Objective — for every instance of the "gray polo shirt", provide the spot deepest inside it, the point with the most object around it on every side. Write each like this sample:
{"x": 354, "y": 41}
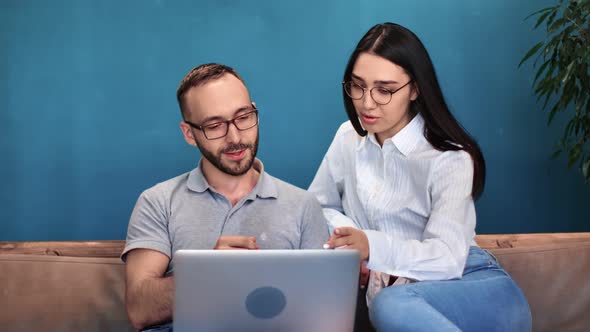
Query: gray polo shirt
{"x": 186, "y": 213}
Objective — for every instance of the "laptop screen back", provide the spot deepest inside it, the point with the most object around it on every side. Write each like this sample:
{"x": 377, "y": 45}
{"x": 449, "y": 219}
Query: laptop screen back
{"x": 265, "y": 290}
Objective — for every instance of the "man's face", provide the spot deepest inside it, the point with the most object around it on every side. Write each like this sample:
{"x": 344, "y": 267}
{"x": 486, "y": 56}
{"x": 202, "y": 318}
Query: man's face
{"x": 220, "y": 100}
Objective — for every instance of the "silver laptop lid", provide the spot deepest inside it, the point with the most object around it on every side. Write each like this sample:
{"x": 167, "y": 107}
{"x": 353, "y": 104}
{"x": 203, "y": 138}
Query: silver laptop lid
{"x": 265, "y": 290}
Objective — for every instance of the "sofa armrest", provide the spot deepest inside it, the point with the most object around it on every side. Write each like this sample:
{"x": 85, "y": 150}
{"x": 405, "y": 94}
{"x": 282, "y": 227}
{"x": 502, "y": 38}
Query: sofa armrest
{"x": 554, "y": 274}
{"x": 53, "y": 293}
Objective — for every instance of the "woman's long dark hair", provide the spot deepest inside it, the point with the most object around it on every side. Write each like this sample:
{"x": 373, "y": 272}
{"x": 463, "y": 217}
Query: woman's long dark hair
{"x": 402, "y": 47}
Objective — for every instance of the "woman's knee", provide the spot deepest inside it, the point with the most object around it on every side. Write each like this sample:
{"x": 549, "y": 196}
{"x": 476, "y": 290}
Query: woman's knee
{"x": 403, "y": 308}
{"x": 390, "y": 306}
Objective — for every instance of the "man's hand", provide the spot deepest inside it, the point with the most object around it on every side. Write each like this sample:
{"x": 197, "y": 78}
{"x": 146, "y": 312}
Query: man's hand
{"x": 350, "y": 238}
{"x": 236, "y": 242}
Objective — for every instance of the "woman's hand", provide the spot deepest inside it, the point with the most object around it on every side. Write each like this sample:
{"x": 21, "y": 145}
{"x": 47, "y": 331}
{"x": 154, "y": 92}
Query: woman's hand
{"x": 349, "y": 238}
{"x": 364, "y": 275}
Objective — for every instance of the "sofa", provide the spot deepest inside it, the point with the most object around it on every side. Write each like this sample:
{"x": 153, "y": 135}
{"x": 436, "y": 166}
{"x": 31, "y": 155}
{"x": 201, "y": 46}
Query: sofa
{"x": 79, "y": 285}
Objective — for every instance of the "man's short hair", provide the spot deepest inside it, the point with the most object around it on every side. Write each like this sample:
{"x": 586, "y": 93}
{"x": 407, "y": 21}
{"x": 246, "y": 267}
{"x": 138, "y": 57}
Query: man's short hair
{"x": 199, "y": 76}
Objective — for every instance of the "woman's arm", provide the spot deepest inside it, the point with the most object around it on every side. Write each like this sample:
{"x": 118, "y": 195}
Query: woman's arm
{"x": 328, "y": 194}
{"x": 328, "y": 182}
{"x": 441, "y": 252}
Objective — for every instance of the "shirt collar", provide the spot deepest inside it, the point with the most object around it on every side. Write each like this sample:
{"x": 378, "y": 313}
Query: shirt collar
{"x": 366, "y": 140}
{"x": 196, "y": 180}
{"x": 405, "y": 140}
{"x": 265, "y": 187}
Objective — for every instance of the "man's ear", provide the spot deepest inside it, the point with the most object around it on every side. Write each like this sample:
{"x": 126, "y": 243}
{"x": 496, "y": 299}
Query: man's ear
{"x": 415, "y": 92}
{"x": 187, "y": 132}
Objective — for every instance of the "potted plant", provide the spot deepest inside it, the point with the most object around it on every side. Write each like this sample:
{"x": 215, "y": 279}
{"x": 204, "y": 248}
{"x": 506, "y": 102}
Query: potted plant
{"x": 562, "y": 79}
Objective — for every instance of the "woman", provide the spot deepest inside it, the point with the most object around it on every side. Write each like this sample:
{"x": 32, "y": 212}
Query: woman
{"x": 398, "y": 184}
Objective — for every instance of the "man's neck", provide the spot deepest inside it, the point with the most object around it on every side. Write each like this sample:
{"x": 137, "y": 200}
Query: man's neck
{"x": 234, "y": 188}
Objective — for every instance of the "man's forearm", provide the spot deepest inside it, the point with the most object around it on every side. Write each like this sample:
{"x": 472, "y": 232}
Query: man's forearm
{"x": 150, "y": 302}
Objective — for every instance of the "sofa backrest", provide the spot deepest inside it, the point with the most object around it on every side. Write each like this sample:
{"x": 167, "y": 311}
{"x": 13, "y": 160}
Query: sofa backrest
{"x": 43, "y": 292}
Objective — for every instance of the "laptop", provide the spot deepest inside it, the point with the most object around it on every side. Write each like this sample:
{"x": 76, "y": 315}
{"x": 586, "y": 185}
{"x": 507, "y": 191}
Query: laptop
{"x": 265, "y": 290}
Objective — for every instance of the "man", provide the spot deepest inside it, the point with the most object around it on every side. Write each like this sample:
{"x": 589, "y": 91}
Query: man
{"x": 227, "y": 202}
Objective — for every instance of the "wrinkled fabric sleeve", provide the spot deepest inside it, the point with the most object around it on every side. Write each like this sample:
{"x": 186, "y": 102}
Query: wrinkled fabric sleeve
{"x": 442, "y": 251}
{"x": 148, "y": 225}
{"x": 328, "y": 190}
{"x": 314, "y": 231}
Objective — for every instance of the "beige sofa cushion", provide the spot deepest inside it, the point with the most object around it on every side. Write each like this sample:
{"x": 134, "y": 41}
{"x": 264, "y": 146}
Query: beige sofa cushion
{"x": 56, "y": 293}
{"x": 555, "y": 278}
{"x": 52, "y": 293}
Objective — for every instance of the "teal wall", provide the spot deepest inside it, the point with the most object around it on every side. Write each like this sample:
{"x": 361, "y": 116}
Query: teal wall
{"x": 88, "y": 117}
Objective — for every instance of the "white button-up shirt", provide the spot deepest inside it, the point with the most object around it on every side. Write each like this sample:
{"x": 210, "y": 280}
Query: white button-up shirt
{"x": 412, "y": 201}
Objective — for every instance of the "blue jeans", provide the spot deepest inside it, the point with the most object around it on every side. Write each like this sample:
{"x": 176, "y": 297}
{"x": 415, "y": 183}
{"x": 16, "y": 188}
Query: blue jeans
{"x": 485, "y": 299}
{"x": 159, "y": 328}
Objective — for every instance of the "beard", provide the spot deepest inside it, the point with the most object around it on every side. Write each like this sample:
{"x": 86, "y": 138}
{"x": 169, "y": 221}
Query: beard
{"x": 231, "y": 168}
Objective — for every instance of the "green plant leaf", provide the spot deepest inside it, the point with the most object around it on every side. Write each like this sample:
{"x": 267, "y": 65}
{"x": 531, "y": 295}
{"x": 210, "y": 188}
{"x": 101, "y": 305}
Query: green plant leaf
{"x": 568, "y": 71}
{"x": 556, "y": 153}
{"x": 568, "y": 94}
{"x": 541, "y": 86}
{"x": 562, "y": 78}
{"x": 546, "y": 100}
{"x": 574, "y": 155}
{"x": 580, "y": 104}
{"x": 586, "y": 169}
{"x": 552, "y": 113}
{"x": 531, "y": 52}
{"x": 556, "y": 25}
{"x": 540, "y": 11}
{"x": 551, "y": 18}
{"x": 546, "y": 85}
{"x": 584, "y": 69}
{"x": 542, "y": 18}
{"x": 568, "y": 128}
{"x": 540, "y": 71}
{"x": 552, "y": 68}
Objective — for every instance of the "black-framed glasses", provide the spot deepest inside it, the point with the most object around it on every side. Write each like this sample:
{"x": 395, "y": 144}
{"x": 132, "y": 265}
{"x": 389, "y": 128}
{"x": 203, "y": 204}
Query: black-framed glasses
{"x": 381, "y": 95}
{"x": 219, "y": 129}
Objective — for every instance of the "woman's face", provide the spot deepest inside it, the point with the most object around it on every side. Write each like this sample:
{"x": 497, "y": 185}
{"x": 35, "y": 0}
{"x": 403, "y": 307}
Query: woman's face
{"x": 384, "y": 121}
